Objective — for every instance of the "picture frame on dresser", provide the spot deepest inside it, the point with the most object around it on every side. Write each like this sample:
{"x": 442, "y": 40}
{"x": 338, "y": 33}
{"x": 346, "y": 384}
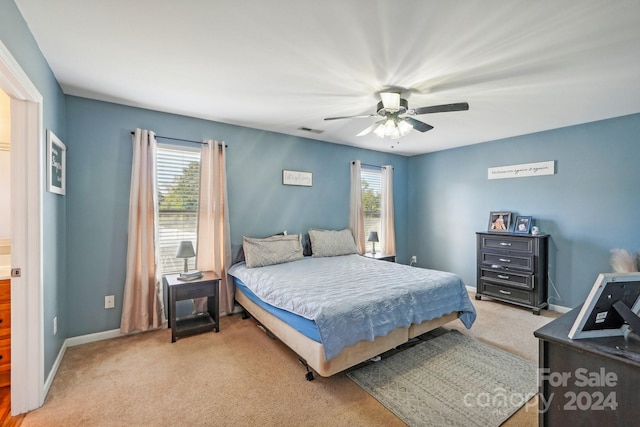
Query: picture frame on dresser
{"x": 499, "y": 222}
{"x": 522, "y": 225}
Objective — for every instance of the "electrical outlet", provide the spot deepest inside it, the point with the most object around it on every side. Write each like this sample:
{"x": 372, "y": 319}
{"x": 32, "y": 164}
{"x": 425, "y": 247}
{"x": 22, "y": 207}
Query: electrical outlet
{"x": 55, "y": 325}
{"x": 414, "y": 259}
{"x": 109, "y": 301}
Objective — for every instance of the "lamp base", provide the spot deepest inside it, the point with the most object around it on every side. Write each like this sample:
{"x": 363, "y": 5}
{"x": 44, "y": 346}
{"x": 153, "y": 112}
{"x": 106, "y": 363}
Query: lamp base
{"x": 373, "y": 251}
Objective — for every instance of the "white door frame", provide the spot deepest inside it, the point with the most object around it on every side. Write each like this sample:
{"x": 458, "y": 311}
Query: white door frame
{"x": 27, "y": 337}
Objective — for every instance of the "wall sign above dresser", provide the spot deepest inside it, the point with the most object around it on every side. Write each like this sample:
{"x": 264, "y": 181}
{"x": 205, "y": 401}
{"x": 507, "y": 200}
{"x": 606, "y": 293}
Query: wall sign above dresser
{"x": 520, "y": 171}
{"x": 513, "y": 268}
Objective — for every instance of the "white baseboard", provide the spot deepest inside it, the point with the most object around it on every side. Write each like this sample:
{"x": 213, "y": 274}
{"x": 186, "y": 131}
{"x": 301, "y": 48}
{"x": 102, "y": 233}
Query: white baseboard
{"x": 552, "y": 307}
{"x": 98, "y": 336}
{"x": 54, "y": 368}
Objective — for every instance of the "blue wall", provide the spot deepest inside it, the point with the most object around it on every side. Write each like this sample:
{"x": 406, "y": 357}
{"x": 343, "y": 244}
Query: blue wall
{"x": 99, "y": 169}
{"x": 15, "y": 35}
{"x": 590, "y": 206}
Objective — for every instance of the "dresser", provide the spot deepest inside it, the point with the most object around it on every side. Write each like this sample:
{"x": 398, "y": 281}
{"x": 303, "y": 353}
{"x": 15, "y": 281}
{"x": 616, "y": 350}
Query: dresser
{"x": 5, "y": 332}
{"x": 513, "y": 268}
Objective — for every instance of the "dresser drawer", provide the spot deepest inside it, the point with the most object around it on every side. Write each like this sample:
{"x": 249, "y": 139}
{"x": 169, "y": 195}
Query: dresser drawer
{"x": 507, "y": 292}
{"x": 520, "y": 280}
{"x": 507, "y": 261}
{"x": 507, "y": 243}
{"x": 194, "y": 290}
{"x": 5, "y": 352}
{"x": 5, "y": 320}
{"x": 5, "y": 290}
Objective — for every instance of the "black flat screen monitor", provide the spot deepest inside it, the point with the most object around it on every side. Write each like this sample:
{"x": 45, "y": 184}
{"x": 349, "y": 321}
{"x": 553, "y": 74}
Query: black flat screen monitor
{"x": 611, "y": 308}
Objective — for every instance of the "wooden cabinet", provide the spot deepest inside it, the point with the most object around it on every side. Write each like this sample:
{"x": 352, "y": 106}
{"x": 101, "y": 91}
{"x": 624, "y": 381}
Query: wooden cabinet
{"x": 513, "y": 268}
{"x": 5, "y": 332}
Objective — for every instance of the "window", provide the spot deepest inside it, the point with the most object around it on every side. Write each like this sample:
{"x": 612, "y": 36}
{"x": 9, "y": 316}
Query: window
{"x": 371, "y": 202}
{"x": 178, "y": 176}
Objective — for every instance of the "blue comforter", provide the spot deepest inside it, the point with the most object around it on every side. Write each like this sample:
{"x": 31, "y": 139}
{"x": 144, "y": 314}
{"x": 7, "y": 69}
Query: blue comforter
{"x": 353, "y": 298}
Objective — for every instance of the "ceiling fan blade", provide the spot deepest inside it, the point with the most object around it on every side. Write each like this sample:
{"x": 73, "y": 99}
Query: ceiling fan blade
{"x": 390, "y": 101}
{"x": 360, "y": 116}
{"x": 417, "y": 124}
{"x": 461, "y": 106}
{"x": 371, "y": 128}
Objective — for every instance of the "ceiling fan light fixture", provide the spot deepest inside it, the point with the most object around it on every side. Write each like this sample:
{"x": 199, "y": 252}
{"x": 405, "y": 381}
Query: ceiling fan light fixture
{"x": 404, "y": 127}
{"x": 379, "y": 130}
{"x": 393, "y": 128}
{"x": 390, "y": 101}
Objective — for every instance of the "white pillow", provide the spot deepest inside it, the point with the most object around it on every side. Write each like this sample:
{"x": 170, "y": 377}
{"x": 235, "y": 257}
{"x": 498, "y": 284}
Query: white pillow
{"x": 332, "y": 242}
{"x": 272, "y": 250}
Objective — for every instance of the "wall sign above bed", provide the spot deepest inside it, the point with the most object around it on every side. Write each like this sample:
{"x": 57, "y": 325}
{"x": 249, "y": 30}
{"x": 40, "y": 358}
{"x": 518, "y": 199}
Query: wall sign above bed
{"x": 304, "y": 179}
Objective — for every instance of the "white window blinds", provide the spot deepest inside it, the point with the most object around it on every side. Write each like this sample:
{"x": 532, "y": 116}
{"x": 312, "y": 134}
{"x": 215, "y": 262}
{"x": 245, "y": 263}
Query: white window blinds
{"x": 178, "y": 175}
{"x": 371, "y": 198}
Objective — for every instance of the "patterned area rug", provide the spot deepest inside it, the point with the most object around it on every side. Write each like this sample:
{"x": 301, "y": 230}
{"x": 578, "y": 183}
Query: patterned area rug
{"x": 450, "y": 380}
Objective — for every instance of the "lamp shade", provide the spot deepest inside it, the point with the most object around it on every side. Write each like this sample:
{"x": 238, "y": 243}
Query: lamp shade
{"x": 185, "y": 250}
{"x": 373, "y": 236}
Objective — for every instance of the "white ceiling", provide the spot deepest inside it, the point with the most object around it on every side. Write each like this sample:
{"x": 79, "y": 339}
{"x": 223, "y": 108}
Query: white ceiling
{"x": 523, "y": 66}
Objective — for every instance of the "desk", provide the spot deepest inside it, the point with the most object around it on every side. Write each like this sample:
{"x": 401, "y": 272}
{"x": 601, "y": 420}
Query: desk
{"x": 206, "y": 286}
{"x": 582, "y": 381}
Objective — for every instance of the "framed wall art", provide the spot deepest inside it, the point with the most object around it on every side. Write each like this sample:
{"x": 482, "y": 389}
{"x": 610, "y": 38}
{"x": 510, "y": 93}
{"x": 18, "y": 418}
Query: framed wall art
{"x": 304, "y": 179}
{"x": 500, "y": 222}
{"x": 56, "y": 164}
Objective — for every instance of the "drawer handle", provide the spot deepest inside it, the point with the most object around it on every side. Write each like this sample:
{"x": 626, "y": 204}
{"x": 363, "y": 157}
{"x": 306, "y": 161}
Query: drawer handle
{"x": 505, "y": 244}
{"x": 505, "y": 260}
{"x": 504, "y": 292}
{"x": 502, "y": 276}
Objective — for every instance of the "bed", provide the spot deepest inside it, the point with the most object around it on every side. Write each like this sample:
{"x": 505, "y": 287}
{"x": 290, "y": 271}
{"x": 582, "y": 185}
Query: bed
{"x": 335, "y": 308}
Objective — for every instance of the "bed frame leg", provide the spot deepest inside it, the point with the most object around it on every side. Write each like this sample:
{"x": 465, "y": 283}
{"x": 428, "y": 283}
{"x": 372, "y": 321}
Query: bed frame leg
{"x": 309, "y": 375}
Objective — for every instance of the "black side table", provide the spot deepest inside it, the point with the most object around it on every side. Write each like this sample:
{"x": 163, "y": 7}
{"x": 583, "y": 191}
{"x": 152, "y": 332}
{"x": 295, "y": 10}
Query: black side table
{"x": 206, "y": 286}
{"x": 381, "y": 256}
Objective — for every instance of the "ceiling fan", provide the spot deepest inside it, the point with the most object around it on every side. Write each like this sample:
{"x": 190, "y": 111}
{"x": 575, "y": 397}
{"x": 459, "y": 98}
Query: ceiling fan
{"x": 393, "y": 125}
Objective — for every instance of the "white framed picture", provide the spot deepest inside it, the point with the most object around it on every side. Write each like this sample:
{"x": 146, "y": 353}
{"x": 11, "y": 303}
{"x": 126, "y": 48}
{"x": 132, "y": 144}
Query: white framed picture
{"x": 56, "y": 164}
{"x": 304, "y": 179}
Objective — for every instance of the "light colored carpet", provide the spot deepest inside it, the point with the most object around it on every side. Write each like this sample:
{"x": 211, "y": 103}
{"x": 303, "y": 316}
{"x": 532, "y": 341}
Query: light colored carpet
{"x": 451, "y": 380}
{"x": 237, "y": 377}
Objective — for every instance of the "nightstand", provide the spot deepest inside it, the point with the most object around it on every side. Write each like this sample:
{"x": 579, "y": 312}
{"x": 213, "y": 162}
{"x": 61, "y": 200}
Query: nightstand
{"x": 381, "y": 256}
{"x": 206, "y": 286}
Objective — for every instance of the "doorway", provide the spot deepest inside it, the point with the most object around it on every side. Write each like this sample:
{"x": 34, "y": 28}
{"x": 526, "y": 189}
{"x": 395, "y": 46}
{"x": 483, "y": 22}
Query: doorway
{"x": 26, "y": 142}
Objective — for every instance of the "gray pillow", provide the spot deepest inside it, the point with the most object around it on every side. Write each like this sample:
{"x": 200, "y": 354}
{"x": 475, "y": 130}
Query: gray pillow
{"x": 332, "y": 242}
{"x": 272, "y": 250}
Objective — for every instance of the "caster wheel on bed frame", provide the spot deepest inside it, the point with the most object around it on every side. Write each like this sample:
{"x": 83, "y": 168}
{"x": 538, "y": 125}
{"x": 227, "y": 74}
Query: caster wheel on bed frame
{"x": 478, "y": 297}
{"x": 309, "y": 376}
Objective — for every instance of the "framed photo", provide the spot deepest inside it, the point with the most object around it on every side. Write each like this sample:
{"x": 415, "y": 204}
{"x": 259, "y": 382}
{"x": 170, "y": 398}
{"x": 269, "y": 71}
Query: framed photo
{"x": 500, "y": 222}
{"x": 56, "y": 164}
{"x": 611, "y": 307}
{"x": 523, "y": 225}
{"x": 304, "y": 179}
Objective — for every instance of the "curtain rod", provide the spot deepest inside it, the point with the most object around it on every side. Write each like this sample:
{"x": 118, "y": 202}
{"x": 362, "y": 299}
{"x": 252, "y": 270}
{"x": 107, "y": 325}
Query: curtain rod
{"x": 178, "y": 139}
{"x": 371, "y": 166}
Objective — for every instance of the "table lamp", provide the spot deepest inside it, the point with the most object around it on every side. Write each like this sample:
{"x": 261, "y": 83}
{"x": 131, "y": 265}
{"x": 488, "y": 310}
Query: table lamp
{"x": 373, "y": 237}
{"x": 185, "y": 250}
